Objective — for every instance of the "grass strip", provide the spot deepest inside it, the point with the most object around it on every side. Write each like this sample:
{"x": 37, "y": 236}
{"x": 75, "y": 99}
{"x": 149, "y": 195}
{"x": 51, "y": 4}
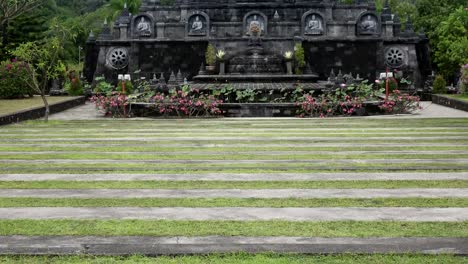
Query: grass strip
{"x": 231, "y": 228}
{"x": 324, "y": 169}
{"x": 418, "y": 135}
{"x": 234, "y": 202}
{"x": 243, "y": 258}
{"x": 232, "y": 184}
{"x": 219, "y": 149}
{"x": 168, "y": 156}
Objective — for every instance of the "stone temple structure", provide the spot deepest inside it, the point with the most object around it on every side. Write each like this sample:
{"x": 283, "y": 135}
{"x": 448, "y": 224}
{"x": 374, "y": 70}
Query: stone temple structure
{"x": 255, "y": 34}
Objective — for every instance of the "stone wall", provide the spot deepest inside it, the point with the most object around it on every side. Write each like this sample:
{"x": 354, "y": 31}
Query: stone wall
{"x": 352, "y": 38}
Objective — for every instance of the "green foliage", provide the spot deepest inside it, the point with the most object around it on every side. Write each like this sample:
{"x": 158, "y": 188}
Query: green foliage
{"x": 440, "y": 85}
{"x": 13, "y": 78}
{"x": 210, "y": 55}
{"x": 74, "y": 87}
{"x": 451, "y": 42}
{"x": 299, "y": 54}
{"x": 118, "y": 5}
{"x": 128, "y": 87}
{"x": 464, "y": 79}
{"x": 103, "y": 87}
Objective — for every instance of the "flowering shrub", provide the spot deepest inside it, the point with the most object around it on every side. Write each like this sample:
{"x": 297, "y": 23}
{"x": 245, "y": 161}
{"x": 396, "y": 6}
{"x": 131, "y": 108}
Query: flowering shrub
{"x": 315, "y": 107}
{"x": 398, "y": 103}
{"x": 114, "y": 105}
{"x": 13, "y": 80}
{"x": 186, "y": 102}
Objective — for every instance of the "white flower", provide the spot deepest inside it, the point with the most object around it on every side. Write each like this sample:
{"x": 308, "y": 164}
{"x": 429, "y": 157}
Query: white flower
{"x": 220, "y": 54}
{"x": 288, "y": 55}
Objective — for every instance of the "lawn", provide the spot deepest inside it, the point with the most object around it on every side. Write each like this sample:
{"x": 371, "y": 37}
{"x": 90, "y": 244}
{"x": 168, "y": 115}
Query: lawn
{"x": 463, "y": 97}
{"x": 17, "y": 105}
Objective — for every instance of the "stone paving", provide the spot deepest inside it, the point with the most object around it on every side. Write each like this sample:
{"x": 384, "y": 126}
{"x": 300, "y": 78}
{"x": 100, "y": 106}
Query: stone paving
{"x": 87, "y": 159}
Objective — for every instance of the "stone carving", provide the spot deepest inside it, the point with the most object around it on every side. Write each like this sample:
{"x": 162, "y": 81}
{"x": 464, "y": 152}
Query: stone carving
{"x": 369, "y": 25}
{"x": 395, "y": 57}
{"x": 197, "y": 26}
{"x": 255, "y": 25}
{"x": 117, "y": 58}
{"x": 314, "y": 25}
{"x": 143, "y": 27}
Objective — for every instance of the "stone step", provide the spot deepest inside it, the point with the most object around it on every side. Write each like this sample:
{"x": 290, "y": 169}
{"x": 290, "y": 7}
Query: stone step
{"x": 420, "y": 176}
{"x": 253, "y": 152}
{"x": 235, "y": 193}
{"x": 230, "y": 162}
{"x": 236, "y": 145}
{"x": 92, "y": 245}
{"x": 410, "y": 214}
{"x": 238, "y": 138}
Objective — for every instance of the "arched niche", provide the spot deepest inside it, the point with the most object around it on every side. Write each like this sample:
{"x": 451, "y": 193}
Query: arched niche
{"x": 256, "y": 17}
{"x": 198, "y": 24}
{"x": 143, "y": 26}
{"x": 313, "y": 24}
{"x": 368, "y": 24}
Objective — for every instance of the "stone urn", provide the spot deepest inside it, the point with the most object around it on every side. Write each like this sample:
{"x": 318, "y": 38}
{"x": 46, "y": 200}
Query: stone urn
{"x": 210, "y": 69}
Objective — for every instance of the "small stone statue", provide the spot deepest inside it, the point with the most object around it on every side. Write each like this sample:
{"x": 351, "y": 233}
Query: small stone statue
{"x": 256, "y": 27}
{"x": 314, "y": 27}
{"x": 197, "y": 26}
{"x": 144, "y": 27}
{"x": 369, "y": 25}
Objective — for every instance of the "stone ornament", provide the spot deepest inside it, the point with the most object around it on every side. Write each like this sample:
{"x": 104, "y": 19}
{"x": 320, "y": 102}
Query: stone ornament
{"x": 395, "y": 57}
{"x": 143, "y": 27}
{"x": 117, "y": 58}
{"x": 368, "y": 25}
{"x": 198, "y": 24}
{"x": 255, "y": 24}
{"x": 313, "y": 25}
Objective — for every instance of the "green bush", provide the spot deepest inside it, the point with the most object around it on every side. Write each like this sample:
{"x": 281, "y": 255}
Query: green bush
{"x": 210, "y": 55}
{"x": 103, "y": 87}
{"x": 13, "y": 80}
{"x": 74, "y": 87}
{"x": 440, "y": 85}
{"x": 299, "y": 54}
{"x": 128, "y": 87}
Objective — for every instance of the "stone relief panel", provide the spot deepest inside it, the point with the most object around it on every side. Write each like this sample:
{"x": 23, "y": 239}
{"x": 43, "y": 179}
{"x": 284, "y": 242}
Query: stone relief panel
{"x": 143, "y": 26}
{"x": 313, "y": 24}
{"x": 117, "y": 58}
{"x": 395, "y": 57}
{"x": 198, "y": 24}
{"x": 368, "y": 24}
{"x": 255, "y": 24}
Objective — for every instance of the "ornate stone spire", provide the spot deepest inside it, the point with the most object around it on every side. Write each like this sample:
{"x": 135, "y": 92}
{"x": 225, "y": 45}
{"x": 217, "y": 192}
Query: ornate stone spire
{"x": 386, "y": 12}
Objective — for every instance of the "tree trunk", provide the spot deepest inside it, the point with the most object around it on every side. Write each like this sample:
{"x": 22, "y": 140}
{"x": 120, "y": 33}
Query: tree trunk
{"x": 46, "y": 104}
{"x": 4, "y": 29}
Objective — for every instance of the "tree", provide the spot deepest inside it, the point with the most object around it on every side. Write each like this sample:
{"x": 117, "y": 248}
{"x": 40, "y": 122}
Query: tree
{"x": 43, "y": 60}
{"x": 451, "y": 42}
{"x": 11, "y": 9}
{"x": 118, "y": 6}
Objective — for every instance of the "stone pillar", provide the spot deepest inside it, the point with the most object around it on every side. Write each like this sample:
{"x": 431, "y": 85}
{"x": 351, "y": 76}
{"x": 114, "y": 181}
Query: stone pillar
{"x": 351, "y": 25}
{"x": 160, "y": 26}
{"x": 387, "y": 28}
{"x": 123, "y": 28}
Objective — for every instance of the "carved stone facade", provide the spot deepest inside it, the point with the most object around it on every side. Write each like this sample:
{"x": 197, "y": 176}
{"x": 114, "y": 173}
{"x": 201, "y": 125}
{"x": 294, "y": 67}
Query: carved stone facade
{"x": 350, "y": 37}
